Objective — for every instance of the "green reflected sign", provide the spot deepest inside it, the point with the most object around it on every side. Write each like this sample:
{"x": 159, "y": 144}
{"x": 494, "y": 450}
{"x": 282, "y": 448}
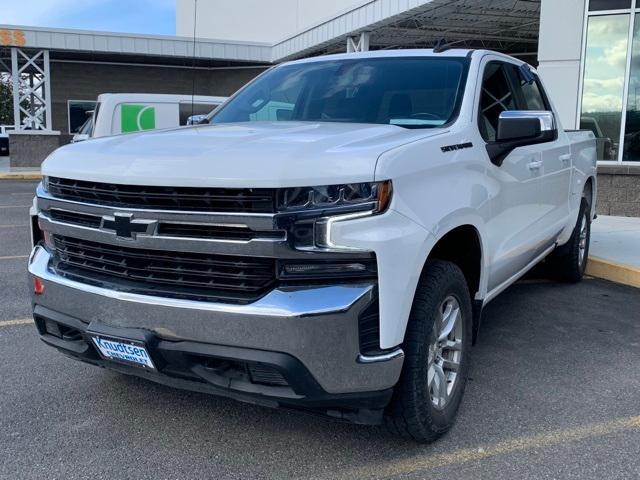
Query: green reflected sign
{"x": 135, "y": 118}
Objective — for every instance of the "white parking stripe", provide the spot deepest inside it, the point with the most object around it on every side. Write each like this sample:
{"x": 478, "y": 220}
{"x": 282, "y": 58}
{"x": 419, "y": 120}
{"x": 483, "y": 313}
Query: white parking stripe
{"x": 13, "y": 257}
{"x": 19, "y": 321}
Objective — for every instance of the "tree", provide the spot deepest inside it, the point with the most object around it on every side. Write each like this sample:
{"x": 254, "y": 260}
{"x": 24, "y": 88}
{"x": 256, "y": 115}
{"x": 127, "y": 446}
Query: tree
{"x": 6, "y": 100}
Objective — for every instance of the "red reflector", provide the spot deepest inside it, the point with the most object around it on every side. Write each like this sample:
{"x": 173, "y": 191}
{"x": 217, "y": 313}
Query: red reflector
{"x": 38, "y": 286}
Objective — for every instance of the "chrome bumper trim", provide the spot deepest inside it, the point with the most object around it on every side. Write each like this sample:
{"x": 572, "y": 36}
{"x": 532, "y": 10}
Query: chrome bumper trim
{"x": 260, "y": 247}
{"x": 397, "y": 353}
{"x": 281, "y": 302}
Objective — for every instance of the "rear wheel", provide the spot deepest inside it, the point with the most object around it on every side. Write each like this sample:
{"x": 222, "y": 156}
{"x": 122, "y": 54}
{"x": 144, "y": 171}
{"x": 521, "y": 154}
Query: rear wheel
{"x": 569, "y": 262}
{"x": 437, "y": 343}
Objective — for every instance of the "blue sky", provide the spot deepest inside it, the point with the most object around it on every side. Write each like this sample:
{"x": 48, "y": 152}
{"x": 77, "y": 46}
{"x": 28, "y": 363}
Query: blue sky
{"x": 131, "y": 16}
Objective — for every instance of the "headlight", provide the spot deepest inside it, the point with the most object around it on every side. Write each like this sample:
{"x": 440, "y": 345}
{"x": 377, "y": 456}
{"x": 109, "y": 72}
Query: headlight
{"x": 313, "y": 210}
{"x": 374, "y": 196}
{"x": 45, "y": 183}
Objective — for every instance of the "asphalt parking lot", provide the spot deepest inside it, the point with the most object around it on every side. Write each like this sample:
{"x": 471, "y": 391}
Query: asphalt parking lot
{"x": 554, "y": 393}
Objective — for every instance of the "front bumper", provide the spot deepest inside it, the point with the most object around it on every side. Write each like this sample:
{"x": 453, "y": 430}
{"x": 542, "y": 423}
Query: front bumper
{"x": 308, "y": 334}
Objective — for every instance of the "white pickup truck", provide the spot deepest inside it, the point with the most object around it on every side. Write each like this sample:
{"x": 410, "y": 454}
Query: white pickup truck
{"x": 327, "y": 242}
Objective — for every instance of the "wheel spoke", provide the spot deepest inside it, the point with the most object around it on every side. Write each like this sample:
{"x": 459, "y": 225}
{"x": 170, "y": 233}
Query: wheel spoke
{"x": 450, "y": 365}
{"x": 431, "y": 375}
{"x": 441, "y": 383}
{"x": 450, "y": 317}
{"x": 455, "y": 345}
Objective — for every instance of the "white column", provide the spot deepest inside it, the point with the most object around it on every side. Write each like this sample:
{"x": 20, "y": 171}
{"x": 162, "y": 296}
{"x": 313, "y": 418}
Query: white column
{"x": 559, "y": 53}
{"x": 15, "y": 77}
{"x": 358, "y": 43}
{"x": 47, "y": 91}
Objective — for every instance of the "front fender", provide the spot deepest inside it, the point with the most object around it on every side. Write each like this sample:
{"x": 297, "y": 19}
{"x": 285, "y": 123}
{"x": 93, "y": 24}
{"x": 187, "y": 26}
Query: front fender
{"x": 401, "y": 247}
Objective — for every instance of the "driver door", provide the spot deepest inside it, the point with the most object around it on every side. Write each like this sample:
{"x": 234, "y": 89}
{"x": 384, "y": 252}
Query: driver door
{"x": 516, "y": 230}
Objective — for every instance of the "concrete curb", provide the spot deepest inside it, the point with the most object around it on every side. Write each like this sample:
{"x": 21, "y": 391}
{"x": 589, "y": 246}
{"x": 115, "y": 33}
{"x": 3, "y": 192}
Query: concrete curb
{"x": 21, "y": 176}
{"x": 615, "y": 272}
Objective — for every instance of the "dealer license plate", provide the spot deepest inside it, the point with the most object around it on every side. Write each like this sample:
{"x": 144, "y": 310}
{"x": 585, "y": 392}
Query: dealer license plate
{"x": 125, "y": 351}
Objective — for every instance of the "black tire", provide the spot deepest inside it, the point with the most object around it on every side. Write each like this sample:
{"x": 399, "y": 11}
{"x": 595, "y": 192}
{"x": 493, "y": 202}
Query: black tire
{"x": 566, "y": 262}
{"x": 411, "y": 412}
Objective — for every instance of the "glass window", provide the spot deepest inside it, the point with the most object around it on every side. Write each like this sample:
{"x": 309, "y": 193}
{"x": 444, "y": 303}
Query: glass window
{"x": 411, "y": 92}
{"x": 273, "y": 111}
{"x": 631, "y": 149}
{"x": 531, "y": 92}
{"x": 604, "y": 74}
{"x": 78, "y": 111}
{"x": 599, "y": 5}
{"x": 87, "y": 127}
{"x": 495, "y": 98}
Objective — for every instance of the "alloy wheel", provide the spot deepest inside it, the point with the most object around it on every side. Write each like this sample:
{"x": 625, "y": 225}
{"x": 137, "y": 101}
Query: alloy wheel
{"x": 582, "y": 240}
{"x": 445, "y": 352}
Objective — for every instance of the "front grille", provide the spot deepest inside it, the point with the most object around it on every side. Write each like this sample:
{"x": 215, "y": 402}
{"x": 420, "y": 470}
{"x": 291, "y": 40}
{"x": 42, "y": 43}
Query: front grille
{"x": 266, "y": 375}
{"x": 75, "y": 218}
{"x": 171, "y": 274}
{"x": 259, "y": 373}
{"x": 237, "y": 200}
{"x": 195, "y": 230}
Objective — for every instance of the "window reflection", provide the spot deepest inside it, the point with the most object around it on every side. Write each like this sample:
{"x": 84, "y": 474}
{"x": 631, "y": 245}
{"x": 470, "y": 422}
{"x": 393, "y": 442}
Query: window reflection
{"x": 631, "y": 149}
{"x": 605, "y": 62}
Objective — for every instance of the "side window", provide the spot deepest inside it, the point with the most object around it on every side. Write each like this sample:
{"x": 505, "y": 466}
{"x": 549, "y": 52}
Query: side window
{"x": 532, "y": 97}
{"x": 528, "y": 94}
{"x": 496, "y": 97}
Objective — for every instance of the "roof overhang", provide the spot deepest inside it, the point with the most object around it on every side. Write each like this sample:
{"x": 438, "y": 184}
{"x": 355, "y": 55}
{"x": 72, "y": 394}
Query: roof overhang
{"x": 105, "y": 46}
{"x": 509, "y": 26}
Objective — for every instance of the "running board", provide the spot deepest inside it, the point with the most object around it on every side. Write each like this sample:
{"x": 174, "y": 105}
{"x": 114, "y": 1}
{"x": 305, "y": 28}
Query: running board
{"x": 507, "y": 283}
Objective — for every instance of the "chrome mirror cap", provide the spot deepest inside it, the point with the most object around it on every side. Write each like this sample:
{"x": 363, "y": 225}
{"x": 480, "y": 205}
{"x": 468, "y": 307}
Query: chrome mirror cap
{"x": 546, "y": 118}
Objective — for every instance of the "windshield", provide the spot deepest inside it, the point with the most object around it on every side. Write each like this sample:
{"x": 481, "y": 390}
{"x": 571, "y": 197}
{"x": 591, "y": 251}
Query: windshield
{"x": 411, "y": 92}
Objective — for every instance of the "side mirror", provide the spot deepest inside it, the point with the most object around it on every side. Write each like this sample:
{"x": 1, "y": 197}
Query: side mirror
{"x": 518, "y": 128}
{"x": 80, "y": 137}
{"x": 198, "y": 119}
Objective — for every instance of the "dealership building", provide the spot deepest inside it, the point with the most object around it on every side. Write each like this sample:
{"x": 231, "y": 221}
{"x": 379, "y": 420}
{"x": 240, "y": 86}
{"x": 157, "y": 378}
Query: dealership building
{"x": 587, "y": 53}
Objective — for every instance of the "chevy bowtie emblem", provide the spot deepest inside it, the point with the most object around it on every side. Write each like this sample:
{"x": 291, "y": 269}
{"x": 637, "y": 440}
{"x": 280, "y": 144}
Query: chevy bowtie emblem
{"x": 125, "y": 226}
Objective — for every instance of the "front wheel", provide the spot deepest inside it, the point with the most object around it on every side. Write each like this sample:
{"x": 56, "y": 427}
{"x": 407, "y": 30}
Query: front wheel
{"x": 569, "y": 262}
{"x": 437, "y": 347}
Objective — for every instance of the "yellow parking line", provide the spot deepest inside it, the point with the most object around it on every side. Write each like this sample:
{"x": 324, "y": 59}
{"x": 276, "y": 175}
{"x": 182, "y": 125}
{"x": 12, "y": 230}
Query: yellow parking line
{"x": 20, "y": 321}
{"x": 15, "y": 206}
{"x": 407, "y": 466}
{"x": 13, "y": 257}
{"x": 12, "y": 226}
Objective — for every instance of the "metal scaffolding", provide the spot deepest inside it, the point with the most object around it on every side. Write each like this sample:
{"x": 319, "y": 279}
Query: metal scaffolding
{"x": 31, "y": 88}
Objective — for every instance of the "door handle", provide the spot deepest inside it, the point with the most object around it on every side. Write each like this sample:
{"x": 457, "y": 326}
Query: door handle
{"x": 535, "y": 165}
{"x": 565, "y": 158}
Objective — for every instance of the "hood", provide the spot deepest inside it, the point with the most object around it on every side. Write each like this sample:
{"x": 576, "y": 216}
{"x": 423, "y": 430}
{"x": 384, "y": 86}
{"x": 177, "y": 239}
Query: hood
{"x": 257, "y": 154}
